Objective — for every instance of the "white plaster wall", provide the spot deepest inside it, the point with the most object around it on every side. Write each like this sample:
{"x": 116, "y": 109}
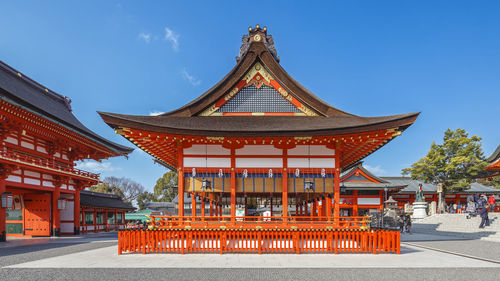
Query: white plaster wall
{"x": 41, "y": 149}
{"x": 48, "y": 184}
{"x": 27, "y": 145}
{"x": 31, "y": 181}
{"x": 201, "y": 149}
{"x": 32, "y": 174}
{"x": 259, "y": 162}
{"x": 298, "y": 163}
{"x": 322, "y": 163}
{"x": 68, "y": 213}
{"x": 67, "y": 227}
{"x": 311, "y": 150}
{"x": 200, "y": 162}
{"x": 11, "y": 140}
{"x": 259, "y": 150}
{"x": 368, "y": 201}
{"x": 14, "y": 178}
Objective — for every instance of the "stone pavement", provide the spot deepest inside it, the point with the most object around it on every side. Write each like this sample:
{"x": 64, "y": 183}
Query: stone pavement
{"x": 95, "y": 258}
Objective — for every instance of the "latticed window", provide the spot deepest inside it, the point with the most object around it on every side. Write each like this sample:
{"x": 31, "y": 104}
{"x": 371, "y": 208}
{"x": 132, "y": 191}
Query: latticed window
{"x": 253, "y": 99}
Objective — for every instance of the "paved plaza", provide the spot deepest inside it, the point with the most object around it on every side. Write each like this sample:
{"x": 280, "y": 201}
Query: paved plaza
{"x": 94, "y": 257}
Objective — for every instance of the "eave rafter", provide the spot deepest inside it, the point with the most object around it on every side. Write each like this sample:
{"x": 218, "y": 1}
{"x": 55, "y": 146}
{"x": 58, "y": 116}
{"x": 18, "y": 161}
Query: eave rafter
{"x": 165, "y": 147}
{"x": 26, "y": 121}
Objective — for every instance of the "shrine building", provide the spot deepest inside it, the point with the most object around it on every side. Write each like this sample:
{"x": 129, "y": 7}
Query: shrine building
{"x": 258, "y": 137}
{"x": 41, "y": 141}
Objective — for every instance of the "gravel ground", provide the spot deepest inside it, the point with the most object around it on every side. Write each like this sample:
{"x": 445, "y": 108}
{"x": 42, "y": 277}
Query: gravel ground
{"x": 386, "y": 274}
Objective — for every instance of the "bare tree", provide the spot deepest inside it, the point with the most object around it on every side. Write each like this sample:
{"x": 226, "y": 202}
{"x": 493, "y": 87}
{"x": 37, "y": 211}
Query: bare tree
{"x": 126, "y": 188}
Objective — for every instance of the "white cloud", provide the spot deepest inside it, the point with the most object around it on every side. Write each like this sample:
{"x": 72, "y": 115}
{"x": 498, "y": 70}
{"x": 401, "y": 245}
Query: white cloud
{"x": 145, "y": 36}
{"x": 155, "y": 113}
{"x": 96, "y": 167}
{"x": 377, "y": 170}
{"x": 173, "y": 37}
{"x": 190, "y": 78}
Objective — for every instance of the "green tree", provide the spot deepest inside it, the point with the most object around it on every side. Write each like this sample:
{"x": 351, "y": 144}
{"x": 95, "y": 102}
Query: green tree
{"x": 145, "y": 198}
{"x": 165, "y": 188}
{"x": 455, "y": 163}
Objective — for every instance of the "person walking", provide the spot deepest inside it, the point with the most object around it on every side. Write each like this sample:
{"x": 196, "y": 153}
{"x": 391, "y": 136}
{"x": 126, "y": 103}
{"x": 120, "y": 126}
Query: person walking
{"x": 492, "y": 202}
{"x": 484, "y": 217}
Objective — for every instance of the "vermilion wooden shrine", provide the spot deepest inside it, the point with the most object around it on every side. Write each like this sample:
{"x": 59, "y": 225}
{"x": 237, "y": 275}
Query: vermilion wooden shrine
{"x": 259, "y": 137}
{"x": 41, "y": 140}
{"x": 494, "y": 162}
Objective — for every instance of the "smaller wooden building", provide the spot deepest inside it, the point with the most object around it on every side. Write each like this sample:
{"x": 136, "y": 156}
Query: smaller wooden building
{"x": 102, "y": 212}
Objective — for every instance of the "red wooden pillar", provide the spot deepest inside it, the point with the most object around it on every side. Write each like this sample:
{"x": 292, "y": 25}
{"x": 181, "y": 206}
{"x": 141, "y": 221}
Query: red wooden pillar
{"x": 56, "y": 217}
{"x": 328, "y": 208}
{"x": 381, "y": 194}
{"x": 233, "y": 185}
{"x": 336, "y": 185}
{"x": 180, "y": 184}
{"x": 76, "y": 213}
{"x": 313, "y": 209}
{"x": 3, "y": 215}
{"x": 284, "y": 191}
{"x": 116, "y": 220}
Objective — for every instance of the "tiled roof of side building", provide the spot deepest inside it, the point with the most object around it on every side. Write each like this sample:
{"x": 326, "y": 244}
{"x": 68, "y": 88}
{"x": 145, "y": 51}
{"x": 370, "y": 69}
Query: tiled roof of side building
{"x": 412, "y": 186}
{"x": 103, "y": 200}
{"x": 20, "y": 90}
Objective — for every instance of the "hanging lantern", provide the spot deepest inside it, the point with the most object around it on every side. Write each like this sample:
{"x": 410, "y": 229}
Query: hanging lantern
{"x": 323, "y": 173}
{"x": 193, "y": 172}
{"x": 297, "y": 173}
{"x": 206, "y": 184}
{"x": 61, "y": 204}
{"x": 220, "y": 173}
{"x": 270, "y": 173}
{"x": 7, "y": 200}
{"x": 245, "y": 173}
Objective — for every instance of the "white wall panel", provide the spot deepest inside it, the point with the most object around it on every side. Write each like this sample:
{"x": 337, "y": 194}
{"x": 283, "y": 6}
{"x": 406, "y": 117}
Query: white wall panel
{"x": 48, "y": 184}
{"x": 14, "y": 178}
{"x": 368, "y": 201}
{"x": 201, "y": 149}
{"x": 41, "y": 149}
{"x": 17, "y": 172}
{"x": 68, "y": 213}
{"x": 27, "y": 145}
{"x": 259, "y": 162}
{"x": 47, "y": 177}
{"x": 322, "y": 163}
{"x": 259, "y": 150}
{"x": 298, "y": 163}
{"x": 207, "y": 162}
{"x": 31, "y": 181}
{"x": 32, "y": 174}
{"x": 311, "y": 150}
{"x": 67, "y": 227}
{"x": 11, "y": 140}
{"x": 313, "y": 163}
{"x": 219, "y": 162}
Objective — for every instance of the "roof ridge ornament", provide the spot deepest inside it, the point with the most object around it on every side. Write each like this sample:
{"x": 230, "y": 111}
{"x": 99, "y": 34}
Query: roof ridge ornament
{"x": 257, "y": 34}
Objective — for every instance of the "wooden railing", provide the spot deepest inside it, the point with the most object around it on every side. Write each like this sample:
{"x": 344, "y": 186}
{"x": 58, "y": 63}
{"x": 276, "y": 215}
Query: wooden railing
{"x": 291, "y": 222}
{"x": 9, "y": 154}
{"x": 259, "y": 241}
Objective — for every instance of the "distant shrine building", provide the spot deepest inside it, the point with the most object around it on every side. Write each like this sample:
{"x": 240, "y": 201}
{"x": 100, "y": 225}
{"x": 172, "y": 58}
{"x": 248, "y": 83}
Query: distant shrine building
{"x": 259, "y": 139}
{"x": 41, "y": 140}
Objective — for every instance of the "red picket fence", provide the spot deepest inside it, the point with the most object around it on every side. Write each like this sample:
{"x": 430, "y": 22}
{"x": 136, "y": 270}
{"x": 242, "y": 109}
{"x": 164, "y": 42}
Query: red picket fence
{"x": 259, "y": 241}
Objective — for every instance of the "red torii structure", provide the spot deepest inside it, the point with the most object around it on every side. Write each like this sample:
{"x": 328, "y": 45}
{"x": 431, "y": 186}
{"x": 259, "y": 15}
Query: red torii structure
{"x": 257, "y": 133}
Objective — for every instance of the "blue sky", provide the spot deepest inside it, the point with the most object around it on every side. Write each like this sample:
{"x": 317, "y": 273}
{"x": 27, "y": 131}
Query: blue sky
{"x": 369, "y": 58}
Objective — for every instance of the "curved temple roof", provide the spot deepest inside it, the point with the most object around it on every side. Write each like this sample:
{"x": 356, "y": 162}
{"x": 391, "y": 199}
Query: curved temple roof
{"x": 319, "y": 118}
{"x": 21, "y": 90}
